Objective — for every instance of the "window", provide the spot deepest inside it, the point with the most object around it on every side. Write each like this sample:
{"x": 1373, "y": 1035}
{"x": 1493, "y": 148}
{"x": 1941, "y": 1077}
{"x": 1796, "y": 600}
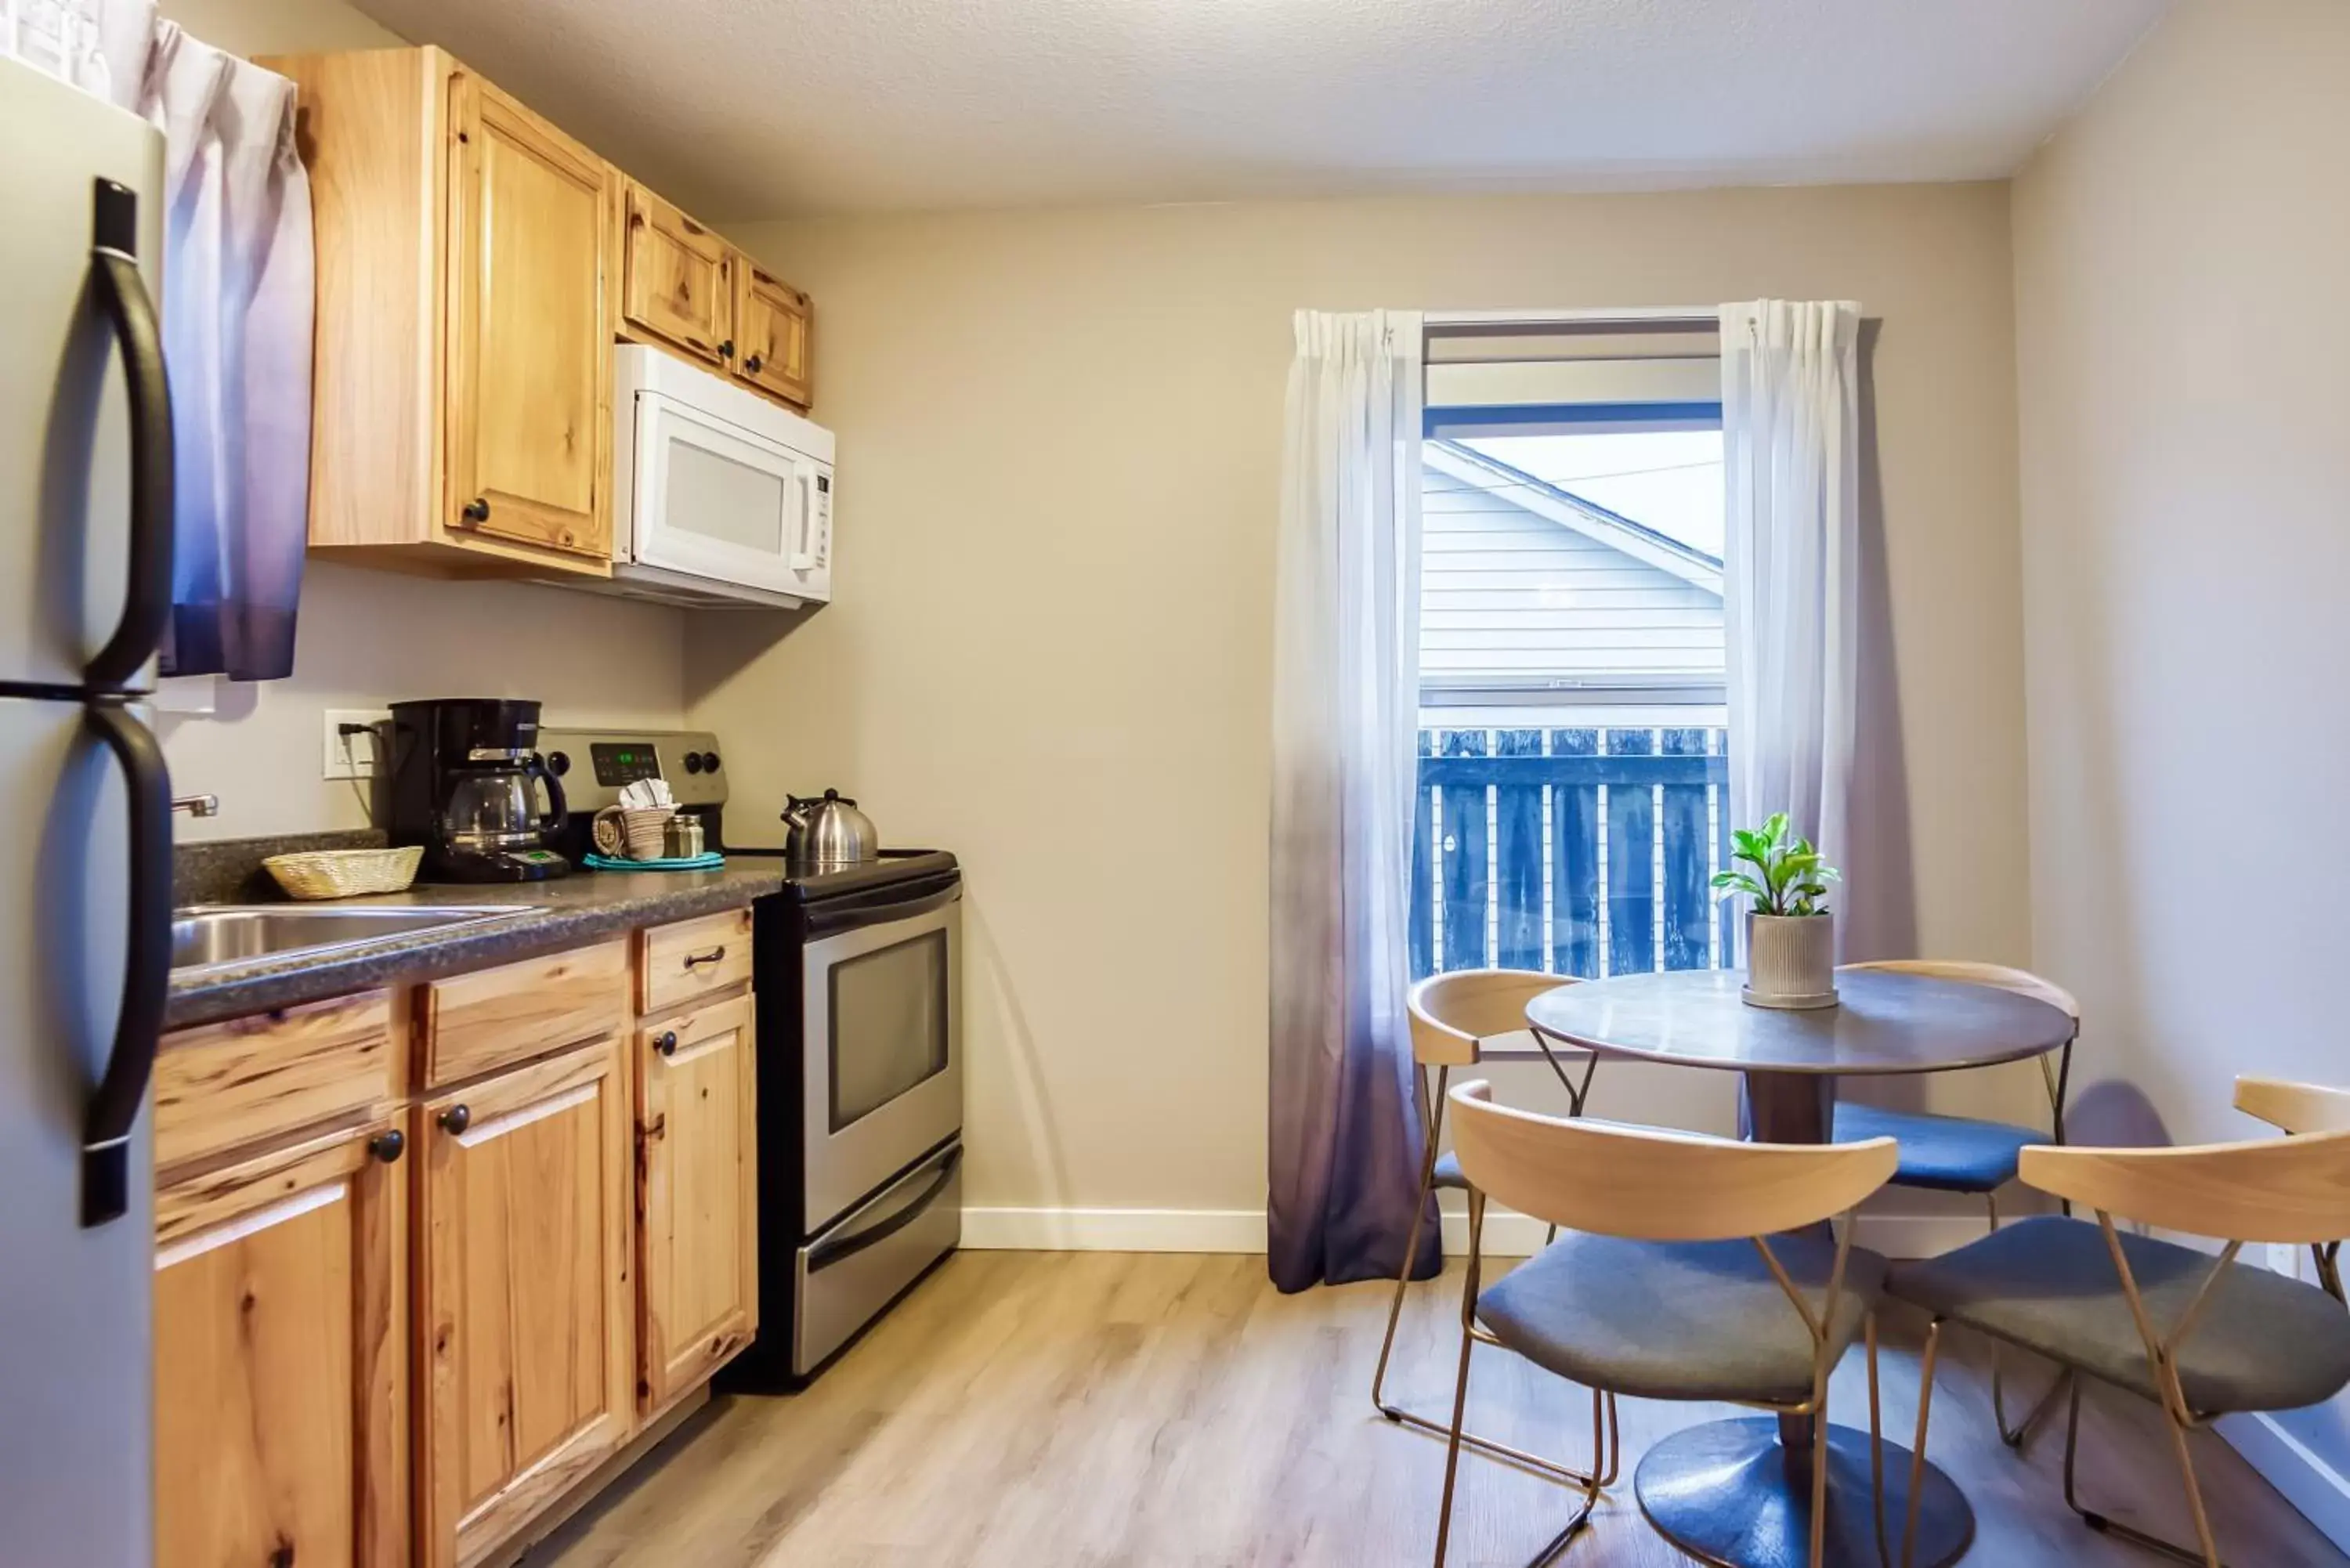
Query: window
{"x": 1572, "y": 799}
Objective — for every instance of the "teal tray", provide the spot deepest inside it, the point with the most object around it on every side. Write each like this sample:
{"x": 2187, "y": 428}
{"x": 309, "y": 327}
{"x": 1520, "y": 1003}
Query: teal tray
{"x": 710, "y": 861}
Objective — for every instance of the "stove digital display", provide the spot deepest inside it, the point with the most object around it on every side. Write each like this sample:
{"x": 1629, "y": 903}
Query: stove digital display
{"x": 624, "y": 763}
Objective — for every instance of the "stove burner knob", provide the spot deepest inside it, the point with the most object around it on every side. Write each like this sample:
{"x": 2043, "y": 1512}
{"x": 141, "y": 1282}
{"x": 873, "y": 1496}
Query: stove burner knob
{"x": 693, "y": 761}
{"x": 558, "y": 763}
{"x": 710, "y": 762}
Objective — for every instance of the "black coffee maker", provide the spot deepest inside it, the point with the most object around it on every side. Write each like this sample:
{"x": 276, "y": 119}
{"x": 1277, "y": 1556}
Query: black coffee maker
{"x": 462, "y": 772}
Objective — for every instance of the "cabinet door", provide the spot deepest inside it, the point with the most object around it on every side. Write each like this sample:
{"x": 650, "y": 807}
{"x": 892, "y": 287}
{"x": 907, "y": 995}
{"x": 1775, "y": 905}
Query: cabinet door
{"x": 281, "y": 1370}
{"x": 529, "y": 349}
{"x": 679, "y": 279}
{"x": 525, "y": 1342}
{"x": 697, "y": 1214}
{"x": 771, "y": 334}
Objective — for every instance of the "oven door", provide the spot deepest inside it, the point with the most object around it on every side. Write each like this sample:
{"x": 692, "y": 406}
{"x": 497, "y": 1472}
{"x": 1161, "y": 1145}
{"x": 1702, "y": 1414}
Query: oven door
{"x": 713, "y": 500}
{"x": 882, "y": 1059}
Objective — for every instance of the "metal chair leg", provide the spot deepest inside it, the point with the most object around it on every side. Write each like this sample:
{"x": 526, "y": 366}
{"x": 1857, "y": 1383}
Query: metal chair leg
{"x": 2205, "y": 1556}
{"x": 1460, "y": 1389}
{"x": 1917, "y": 1452}
{"x": 2014, "y": 1436}
{"x": 1549, "y": 1468}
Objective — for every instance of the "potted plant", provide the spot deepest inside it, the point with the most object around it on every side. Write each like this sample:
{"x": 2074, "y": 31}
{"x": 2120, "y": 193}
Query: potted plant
{"x": 1789, "y": 933}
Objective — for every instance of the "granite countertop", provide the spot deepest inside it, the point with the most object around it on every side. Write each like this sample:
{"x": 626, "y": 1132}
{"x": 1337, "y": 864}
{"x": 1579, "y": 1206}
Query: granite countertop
{"x": 571, "y": 911}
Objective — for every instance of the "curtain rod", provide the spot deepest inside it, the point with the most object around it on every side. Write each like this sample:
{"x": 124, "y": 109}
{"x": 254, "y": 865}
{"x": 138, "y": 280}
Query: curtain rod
{"x": 1646, "y": 318}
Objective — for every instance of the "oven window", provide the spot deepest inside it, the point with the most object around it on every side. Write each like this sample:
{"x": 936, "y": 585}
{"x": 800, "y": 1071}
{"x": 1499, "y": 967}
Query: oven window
{"x": 889, "y": 1024}
{"x": 727, "y": 502}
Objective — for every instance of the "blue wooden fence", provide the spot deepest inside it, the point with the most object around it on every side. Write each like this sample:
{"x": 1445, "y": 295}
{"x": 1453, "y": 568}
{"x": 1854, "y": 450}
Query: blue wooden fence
{"x": 1573, "y": 851}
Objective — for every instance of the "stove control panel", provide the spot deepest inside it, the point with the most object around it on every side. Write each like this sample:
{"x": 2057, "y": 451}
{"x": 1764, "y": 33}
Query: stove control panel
{"x": 596, "y": 764}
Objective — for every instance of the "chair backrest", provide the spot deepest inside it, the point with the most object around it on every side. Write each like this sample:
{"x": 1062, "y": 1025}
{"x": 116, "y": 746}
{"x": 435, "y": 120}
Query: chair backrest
{"x": 2021, "y": 981}
{"x": 2294, "y": 1107}
{"x": 1652, "y": 1184}
{"x": 1452, "y": 1013}
{"x": 2287, "y": 1189}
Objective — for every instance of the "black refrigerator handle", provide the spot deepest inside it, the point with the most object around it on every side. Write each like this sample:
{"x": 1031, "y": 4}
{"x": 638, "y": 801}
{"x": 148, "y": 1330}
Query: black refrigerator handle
{"x": 116, "y": 280}
{"x": 147, "y": 969}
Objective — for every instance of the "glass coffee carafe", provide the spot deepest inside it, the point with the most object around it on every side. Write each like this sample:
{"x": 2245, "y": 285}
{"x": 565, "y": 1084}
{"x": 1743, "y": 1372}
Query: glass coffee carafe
{"x": 493, "y": 811}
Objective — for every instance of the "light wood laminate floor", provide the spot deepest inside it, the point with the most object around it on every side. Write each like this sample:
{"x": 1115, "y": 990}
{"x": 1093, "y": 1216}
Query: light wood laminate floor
{"x": 1094, "y": 1410}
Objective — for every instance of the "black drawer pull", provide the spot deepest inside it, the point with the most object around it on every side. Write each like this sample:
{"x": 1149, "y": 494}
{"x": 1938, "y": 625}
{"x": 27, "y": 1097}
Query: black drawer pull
{"x": 695, "y": 960}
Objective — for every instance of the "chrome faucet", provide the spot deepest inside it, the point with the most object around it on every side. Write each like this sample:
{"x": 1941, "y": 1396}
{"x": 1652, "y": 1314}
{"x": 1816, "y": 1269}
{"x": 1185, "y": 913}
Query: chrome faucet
{"x": 196, "y": 804}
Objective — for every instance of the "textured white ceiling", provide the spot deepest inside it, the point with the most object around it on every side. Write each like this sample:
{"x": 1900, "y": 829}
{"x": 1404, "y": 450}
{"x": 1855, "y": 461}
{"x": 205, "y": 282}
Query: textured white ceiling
{"x": 763, "y": 107}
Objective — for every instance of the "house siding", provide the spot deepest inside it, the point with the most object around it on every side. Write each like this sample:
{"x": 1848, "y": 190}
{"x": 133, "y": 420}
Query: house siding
{"x": 1506, "y": 593}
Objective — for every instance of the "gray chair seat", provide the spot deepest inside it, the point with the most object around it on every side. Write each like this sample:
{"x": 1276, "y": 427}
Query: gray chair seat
{"x": 1953, "y": 1154}
{"x": 1677, "y": 1320}
{"x": 2264, "y": 1343}
{"x": 1449, "y": 1178}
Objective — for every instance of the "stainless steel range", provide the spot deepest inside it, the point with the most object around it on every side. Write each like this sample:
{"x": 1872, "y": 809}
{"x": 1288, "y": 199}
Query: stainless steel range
{"x": 859, "y": 983}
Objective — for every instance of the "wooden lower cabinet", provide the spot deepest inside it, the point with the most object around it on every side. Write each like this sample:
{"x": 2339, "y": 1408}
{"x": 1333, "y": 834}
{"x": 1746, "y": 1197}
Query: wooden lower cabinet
{"x": 281, "y": 1358}
{"x": 697, "y": 1219}
{"x": 525, "y": 1337}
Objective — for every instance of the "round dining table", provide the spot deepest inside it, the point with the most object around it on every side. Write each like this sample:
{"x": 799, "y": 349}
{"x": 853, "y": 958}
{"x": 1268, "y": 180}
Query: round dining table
{"x": 1738, "y": 1492}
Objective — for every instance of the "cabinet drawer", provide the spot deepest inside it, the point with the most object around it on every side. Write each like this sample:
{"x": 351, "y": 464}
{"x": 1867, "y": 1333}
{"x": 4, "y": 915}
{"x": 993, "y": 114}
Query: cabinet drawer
{"x": 226, "y": 1085}
{"x": 693, "y": 959}
{"x": 486, "y": 1020}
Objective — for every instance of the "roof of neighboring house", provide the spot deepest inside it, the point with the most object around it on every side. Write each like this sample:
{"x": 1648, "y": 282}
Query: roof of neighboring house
{"x": 1568, "y": 510}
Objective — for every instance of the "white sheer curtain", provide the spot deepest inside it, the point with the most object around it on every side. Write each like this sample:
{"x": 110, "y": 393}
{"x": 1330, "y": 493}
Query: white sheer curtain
{"x": 1343, "y": 1135}
{"x": 1791, "y": 467}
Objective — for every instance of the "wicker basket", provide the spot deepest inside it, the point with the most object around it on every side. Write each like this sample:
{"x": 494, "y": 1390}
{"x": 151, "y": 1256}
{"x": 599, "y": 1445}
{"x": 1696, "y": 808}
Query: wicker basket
{"x": 345, "y": 873}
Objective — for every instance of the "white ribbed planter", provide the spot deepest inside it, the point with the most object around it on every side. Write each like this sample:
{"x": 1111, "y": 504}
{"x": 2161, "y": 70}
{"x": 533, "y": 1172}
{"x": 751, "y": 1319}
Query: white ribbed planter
{"x": 1790, "y": 961}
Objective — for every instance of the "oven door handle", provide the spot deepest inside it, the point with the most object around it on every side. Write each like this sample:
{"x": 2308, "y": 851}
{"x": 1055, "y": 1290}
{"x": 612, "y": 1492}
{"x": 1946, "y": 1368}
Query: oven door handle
{"x": 882, "y": 907}
{"x": 840, "y": 1249}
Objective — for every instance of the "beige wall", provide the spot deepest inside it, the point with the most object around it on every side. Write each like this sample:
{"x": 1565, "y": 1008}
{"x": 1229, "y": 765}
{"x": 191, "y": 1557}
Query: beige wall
{"x": 371, "y": 637}
{"x": 2184, "y": 467}
{"x": 1060, "y": 453}
{"x": 2185, "y": 464}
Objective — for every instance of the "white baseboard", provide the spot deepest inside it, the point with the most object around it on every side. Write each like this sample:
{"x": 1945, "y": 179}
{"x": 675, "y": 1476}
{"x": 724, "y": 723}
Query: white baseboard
{"x": 2307, "y": 1482}
{"x": 1507, "y": 1235}
{"x": 1114, "y": 1229}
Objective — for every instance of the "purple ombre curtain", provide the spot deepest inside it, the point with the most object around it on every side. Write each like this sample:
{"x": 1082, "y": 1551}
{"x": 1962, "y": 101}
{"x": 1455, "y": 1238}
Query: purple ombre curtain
{"x": 237, "y": 303}
{"x": 1344, "y": 1140}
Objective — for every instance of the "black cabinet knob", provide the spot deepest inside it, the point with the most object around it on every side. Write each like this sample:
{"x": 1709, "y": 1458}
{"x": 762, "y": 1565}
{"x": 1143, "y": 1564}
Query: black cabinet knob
{"x": 752, "y": 364}
{"x": 726, "y": 349}
{"x": 477, "y": 510}
{"x": 457, "y": 1118}
{"x": 666, "y": 1043}
{"x": 388, "y": 1146}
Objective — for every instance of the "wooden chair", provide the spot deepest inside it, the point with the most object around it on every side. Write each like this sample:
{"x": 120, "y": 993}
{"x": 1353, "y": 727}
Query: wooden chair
{"x": 2302, "y": 1108}
{"x": 1453, "y": 1016}
{"x": 1678, "y": 1276}
{"x": 1963, "y": 1154}
{"x": 2200, "y": 1335}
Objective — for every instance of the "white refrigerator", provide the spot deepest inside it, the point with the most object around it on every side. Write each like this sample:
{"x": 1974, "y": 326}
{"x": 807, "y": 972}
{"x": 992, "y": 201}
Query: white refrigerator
{"x": 85, "y": 817}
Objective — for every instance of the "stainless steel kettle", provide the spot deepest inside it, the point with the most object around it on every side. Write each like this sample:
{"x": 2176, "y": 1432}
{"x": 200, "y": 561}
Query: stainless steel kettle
{"x": 829, "y": 833}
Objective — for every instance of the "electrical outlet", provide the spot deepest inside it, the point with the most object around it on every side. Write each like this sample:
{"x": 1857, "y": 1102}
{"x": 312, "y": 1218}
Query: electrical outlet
{"x": 354, "y": 756}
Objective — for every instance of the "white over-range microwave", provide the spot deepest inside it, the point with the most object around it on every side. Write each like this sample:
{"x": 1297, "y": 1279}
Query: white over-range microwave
{"x": 718, "y": 495}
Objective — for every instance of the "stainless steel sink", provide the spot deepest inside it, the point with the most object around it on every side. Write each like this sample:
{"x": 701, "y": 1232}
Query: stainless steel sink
{"x": 218, "y": 935}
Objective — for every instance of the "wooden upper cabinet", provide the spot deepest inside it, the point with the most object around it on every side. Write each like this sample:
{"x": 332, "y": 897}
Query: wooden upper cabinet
{"x": 281, "y": 1360}
{"x": 524, "y": 1343}
{"x": 467, "y": 259}
{"x": 698, "y": 1236}
{"x": 679, "y": 279}
{"x": 529, "y": 366}
{"x": 771, "y": 334}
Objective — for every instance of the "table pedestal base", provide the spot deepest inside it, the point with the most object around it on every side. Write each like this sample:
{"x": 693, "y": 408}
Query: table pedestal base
{"x": 1726, "y": 1493}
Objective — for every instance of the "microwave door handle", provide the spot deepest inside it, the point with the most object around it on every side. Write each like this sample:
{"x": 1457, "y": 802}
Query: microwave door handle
{"x": 803, "y": 559}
